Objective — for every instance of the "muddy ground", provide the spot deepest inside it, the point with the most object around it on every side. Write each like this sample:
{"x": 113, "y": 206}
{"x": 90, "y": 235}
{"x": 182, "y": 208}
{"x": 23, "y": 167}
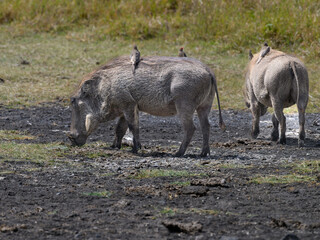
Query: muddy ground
{"x": 217, "y": 200}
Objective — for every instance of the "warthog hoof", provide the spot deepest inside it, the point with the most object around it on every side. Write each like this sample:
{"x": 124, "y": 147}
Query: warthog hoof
{"x": 134, "y": 150}
{"x": 116, "y": 145}
{"x": 254, "y": 134}
{"x": 282, "y": 141}
{"x": 205, "y": 153}
{"x": 178, "y": 154}
{"x": 300, "y": 143}
{"x": 274, "y": 136}
{"x": 136, "y": 147}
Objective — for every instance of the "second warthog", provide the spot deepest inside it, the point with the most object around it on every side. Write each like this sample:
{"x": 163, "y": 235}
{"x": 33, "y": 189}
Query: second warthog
{"x": 162, "y": 86}
{"x": 277, "y": 80}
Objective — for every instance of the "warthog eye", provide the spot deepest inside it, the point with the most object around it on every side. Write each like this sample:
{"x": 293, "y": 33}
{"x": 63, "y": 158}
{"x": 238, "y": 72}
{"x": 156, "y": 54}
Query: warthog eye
{"x": 72, "y": 100}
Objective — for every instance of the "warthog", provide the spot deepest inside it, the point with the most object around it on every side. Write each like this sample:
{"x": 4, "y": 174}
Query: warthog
{"x": 162, "y": 86}
{"x": 278, "y": 80}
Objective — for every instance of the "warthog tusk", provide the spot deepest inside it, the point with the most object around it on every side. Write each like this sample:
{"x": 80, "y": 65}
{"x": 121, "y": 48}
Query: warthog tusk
{"x": 88, "y": 121}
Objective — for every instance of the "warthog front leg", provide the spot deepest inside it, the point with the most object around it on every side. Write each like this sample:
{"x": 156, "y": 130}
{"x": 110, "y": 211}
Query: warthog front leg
{"x": 120, "y": 131}
{"x": 302, "y": 133}
{"x": 132, "y": 117}
{"x": 275, "y": 129}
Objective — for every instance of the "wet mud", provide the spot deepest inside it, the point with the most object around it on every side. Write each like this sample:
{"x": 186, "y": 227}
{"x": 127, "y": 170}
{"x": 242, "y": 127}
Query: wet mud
{"x": 106, "y": 196}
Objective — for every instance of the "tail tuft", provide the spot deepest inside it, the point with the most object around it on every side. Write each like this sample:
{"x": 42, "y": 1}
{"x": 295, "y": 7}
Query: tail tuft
{"x": 222, "y": 126}
{"x": 221, "y": 123}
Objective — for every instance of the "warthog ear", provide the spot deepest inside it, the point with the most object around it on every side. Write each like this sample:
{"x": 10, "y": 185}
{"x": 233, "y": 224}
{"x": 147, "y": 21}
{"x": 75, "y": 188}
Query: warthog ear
{"x": 250, "y": 55}
{"x": 86, "y": 87}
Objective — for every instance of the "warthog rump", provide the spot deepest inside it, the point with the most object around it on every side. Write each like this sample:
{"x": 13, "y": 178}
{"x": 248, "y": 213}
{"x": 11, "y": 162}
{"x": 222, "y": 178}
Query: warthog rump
{"x": 278, "y": 80}
{"x": 162, "y": 86}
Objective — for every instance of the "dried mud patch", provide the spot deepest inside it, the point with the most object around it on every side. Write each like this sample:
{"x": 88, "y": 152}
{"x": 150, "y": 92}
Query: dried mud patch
{"x": 246, "y": 189}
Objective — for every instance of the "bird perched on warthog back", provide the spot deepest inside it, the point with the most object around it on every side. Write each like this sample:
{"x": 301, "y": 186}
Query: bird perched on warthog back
{"x": 264, "y": 51}
{"x": 164, "y": 86}
{"x": 182, "y": 53}
{"x": 279, "y": 81}
{"x": 135, "y": 58}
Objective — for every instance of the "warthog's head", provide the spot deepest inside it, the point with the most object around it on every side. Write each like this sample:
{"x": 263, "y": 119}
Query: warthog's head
{"x": 85, "y": 113}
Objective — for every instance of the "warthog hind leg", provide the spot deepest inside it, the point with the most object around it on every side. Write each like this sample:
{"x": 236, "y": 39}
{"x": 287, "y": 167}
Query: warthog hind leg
{"x": 255, "y": 110}
{"x": 203, "y": 113}
{"x": 278, "y": 112}
{"x": 186, "y": 117}
{"x": 275, "y": 129}
{"x": 302, "y": 133}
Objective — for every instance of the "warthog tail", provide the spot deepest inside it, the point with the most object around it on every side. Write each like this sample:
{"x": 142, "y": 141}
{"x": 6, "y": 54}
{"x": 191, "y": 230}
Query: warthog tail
{"x": 221, "y": 123}
{"x": 293, "y": 67}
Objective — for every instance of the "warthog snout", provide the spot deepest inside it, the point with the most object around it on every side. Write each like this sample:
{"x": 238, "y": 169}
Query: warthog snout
{"x": 76, "y": 140}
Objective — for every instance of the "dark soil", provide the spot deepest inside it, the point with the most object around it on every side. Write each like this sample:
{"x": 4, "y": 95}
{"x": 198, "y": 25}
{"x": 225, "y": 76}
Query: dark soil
{"x": 213, "y": 202}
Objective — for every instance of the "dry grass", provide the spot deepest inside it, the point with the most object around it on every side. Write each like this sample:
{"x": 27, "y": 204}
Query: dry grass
{"x": 63, "y": 40}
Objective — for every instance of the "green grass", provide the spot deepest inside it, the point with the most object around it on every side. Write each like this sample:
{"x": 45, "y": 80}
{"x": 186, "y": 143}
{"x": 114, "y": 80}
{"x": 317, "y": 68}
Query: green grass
{"x": 173, "y": 211}
{"x": 306, "y": 167}
{"x": 153, "y": 173}
{"x": 97, "y": 154}
{"x": 233, "y": 166}
{"x": 40, "y": 153}
{"x": 64, "y": 40}
{"x": 14, "y": 135}
{"x": 178, "y": 183}
{"x": 58, "y": 63}
{"x": 6, "y": 172}
{"x": 282, "y": 179}
{"x": 104, "y": 194}
{"x": 282, "y": 21}
{"x": 301, "y": 171}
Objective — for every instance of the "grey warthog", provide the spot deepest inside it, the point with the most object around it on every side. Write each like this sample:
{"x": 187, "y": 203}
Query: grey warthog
{"x": 277, "y": 80}
{"x": 162, "y": 86}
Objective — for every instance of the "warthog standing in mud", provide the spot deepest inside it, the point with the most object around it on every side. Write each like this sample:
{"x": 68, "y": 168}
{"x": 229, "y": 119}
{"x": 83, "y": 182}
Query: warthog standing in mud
{"x": 162, "y": 86}
{"x": 278, "y": 80}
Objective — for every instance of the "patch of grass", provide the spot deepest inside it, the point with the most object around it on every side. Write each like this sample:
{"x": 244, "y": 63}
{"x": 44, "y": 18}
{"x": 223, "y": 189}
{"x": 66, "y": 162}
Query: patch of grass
{"x": 14, "y": 135}
{"x": 235, "y": 23}
{"x": 153, "y": 173}
{"x": 92, "y": 150}
{"x": 306, "y": 167}
{"x": 53, "y": 212}
{"x": 282, "y": 179}
{"x": 33, "y": 169}
{"x": 97, "y": 155}
{"x": 108, "y": 174}
{"x": 205, "y": 211}
{"x": 30, "y": 152}
{"x": 64, "y": 40}
{"x": 185, "y": 183}
{"x": 233, "y": 166}
{"x": 169, "y": 211}
{"x": 104, "y": 194}
{"x": 173, "y": 211}
{"x": 6, "y": 172}
{"x": 58, "y": 63}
